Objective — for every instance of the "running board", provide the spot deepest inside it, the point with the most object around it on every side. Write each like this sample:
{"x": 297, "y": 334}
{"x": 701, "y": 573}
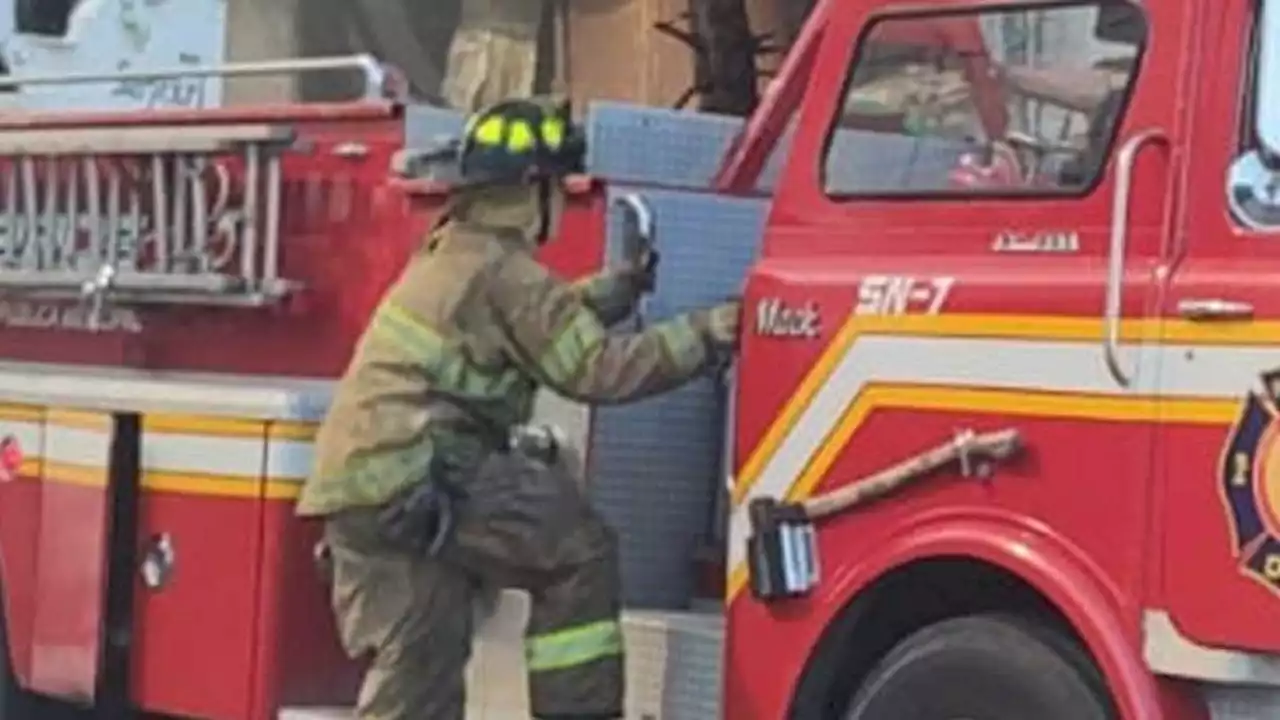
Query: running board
{"x": 673, "y": 667}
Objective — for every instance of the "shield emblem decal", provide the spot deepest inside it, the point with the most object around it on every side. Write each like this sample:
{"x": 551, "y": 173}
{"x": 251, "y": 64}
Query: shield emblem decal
{"x": 1250, "y": 484}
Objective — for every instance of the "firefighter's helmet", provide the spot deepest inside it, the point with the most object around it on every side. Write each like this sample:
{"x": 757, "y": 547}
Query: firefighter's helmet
{"x": 520, "y": 141}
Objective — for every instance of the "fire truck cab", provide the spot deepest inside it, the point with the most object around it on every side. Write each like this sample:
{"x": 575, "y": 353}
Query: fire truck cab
{"x": 1087, "y": 272}
{"x": 1054, "y": 221}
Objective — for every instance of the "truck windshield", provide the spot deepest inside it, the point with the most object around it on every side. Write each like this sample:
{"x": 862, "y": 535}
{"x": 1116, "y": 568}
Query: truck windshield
{"x": 1268, "y": 110}
{"x": 985, "y": 100}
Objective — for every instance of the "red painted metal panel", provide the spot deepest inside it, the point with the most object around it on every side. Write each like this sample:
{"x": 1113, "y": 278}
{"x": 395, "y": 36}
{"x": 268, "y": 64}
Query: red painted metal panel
{"x": 69, "y": 590}
{"x": 19, "y": 534}
{"x": 1087, "y": 487}
{"x": 345, "y": 234}
{"x": 195, "y": 652}
{"x": 347, "y": 230}
{"x": 71, "y": 554}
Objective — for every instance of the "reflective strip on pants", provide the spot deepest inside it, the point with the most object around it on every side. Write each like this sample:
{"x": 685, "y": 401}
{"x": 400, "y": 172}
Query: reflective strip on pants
{"x": 574, "y": 646}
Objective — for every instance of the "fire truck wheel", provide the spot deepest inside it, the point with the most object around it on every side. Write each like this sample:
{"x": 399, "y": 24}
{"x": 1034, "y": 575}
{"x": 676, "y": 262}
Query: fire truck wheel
{"x": 983, "y": 667}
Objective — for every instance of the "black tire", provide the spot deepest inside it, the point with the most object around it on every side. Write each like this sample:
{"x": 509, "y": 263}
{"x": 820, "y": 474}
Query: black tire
{"x": 983, "y": 667}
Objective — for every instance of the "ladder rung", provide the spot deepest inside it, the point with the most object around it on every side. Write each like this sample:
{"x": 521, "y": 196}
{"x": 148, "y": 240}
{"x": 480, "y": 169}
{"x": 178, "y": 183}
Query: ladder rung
{"x": 124, "y": 281}
{"x": 138, "y": 140}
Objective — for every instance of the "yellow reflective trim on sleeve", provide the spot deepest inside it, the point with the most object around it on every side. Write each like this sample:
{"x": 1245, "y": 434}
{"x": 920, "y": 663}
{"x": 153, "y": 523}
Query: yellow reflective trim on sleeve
{"x": 574, "y": 647}
{"x": 489, "y": 131}
{"x": 520, "y": 139}
{"x": 572, "y": 347}
{"x": 439, "y": 359}
{"x": 409, "y": 334}
{"x": 553, "y": 133}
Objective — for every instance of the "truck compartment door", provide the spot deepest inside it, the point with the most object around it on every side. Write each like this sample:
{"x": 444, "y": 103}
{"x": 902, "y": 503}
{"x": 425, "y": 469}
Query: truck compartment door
{"x": 83, "y": 557}
{"x": 79, "y": 487}
{"x": 21, "y": 440}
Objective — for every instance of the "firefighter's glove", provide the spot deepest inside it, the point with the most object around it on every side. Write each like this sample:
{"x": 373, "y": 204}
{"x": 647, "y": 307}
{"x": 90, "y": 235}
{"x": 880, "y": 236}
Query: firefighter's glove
{"x": 646, "y": 270}
{"x": 719, "y": 326}
{"x": 421, "y": 518}
{"x": 641, "y": 273}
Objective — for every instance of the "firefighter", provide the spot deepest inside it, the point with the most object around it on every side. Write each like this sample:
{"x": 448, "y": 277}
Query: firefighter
{"x": 425, "y": 496}
{"x": 494, "y": 52}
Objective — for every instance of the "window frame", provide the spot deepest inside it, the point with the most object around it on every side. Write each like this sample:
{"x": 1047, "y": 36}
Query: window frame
{"x": 1247, "y": 139}
{"x": 979, "y": 9}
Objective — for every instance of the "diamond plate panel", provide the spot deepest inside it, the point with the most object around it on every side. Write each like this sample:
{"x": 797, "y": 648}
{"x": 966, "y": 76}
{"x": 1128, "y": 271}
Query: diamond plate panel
{"x": 656, "y": 463}
{"x": 674, "y": 665}
{"x": 671, "y": 148}
{"x": 424, "y": 125}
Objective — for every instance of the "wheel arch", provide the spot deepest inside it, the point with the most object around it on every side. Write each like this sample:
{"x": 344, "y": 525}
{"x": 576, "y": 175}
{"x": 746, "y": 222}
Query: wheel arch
{"x": 950, "y": 563}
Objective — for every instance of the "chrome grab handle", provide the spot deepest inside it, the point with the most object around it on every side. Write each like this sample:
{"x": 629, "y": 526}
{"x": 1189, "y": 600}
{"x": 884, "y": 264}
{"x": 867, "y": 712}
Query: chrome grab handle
{"x": 1214, "y": 309}
{"x": 374, "y": 72}
{"x": 1126, "y": 158}
{"x": 638, "y": 239}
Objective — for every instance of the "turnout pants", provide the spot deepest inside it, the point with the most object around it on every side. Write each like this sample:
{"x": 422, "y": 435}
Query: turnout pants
{"x": 525, "y": 525}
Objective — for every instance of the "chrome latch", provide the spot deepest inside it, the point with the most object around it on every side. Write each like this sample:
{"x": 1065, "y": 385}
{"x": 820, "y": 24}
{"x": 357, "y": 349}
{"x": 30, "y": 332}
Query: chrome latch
{"x": 95, "y": 292}
{"x": 158, "y": 562}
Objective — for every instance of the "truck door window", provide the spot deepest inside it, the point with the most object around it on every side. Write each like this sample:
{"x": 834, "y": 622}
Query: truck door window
{"x": 985, "y": 101}
{"x": 1253, "y": 182}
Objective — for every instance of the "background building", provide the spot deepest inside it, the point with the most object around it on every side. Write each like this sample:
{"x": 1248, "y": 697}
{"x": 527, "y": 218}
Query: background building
{"x": 611, "y": 50}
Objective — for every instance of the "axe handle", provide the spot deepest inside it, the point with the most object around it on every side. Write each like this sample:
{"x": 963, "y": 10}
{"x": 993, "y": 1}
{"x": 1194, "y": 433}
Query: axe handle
{"x": 996, "y": 445}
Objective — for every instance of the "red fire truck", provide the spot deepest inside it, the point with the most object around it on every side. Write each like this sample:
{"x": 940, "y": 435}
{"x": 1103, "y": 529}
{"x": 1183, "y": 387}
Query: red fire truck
{"x": 1004, "y": 267}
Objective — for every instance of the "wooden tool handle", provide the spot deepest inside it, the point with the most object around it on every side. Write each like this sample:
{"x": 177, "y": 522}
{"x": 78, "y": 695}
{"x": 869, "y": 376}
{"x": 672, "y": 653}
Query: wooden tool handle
{"x": 996, "y": 445}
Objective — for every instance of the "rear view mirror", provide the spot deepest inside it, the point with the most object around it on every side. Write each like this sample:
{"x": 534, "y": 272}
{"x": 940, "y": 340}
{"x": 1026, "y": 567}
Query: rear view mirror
{"x": 1120, "y": 22}
{"x": 1268, "y": 109}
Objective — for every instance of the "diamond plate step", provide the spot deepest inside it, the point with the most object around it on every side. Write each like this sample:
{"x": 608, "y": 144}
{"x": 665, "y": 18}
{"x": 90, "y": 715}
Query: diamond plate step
{"x": 673, "y": 666}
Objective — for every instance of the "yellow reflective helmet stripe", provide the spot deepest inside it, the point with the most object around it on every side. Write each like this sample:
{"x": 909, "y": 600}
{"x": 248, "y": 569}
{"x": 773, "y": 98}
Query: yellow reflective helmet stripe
{"x": 517, "y": 132}
{"x": 489, "y": 131}
{"x": 552, "y": 133}
{"x": 520, "y": 139}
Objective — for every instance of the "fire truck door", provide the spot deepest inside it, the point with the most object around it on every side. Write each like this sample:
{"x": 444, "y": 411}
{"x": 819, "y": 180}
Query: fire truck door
{"x": 84, "y": 566}
{"x": 976, "y": 272}
{"x": 1221, "y": 443}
